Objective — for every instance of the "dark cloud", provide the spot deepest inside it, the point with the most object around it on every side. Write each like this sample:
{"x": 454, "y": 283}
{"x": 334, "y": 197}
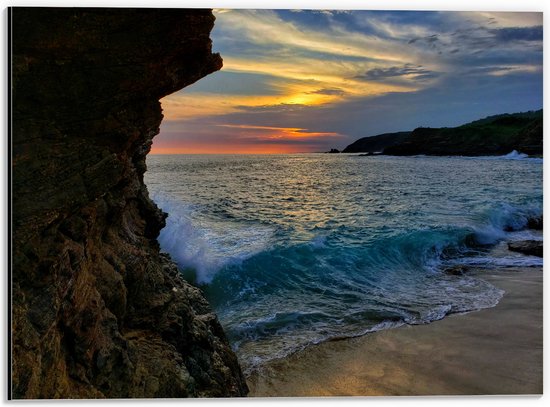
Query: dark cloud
{"x": 476, "y": 39}
{"x": 517, "y": 34}
{"x": 470, "y": 37}
{"x": 329, "y": 92}
{"x": 417, "y": 71}
{"x": 481, "y": 37}
{"x": 430, "y": 39}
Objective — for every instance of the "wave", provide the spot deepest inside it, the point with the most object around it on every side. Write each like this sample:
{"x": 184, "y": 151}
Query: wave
{"x": 497, "y": 222}
{"x": 505, "y": 261}
{"x": 202, "y": 246}
{"x": 276, "y": 296}
{"x": 513, "y": 155}
{"x": 430, "y": 248}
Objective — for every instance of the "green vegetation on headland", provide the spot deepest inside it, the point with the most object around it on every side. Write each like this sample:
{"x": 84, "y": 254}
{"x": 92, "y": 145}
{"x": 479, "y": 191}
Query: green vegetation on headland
{"x": 376, "y": 144}
{"x": 493, "y": 135}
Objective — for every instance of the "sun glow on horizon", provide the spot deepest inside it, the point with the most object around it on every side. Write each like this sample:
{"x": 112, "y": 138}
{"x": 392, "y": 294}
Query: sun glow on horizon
{"x": 251, "y": 139}
{"x": 234, "y": 149}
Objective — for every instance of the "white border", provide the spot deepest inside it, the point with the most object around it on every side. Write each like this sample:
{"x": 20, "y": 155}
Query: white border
{"x": 450, "y": 5}
{"x": 469, "y": 5}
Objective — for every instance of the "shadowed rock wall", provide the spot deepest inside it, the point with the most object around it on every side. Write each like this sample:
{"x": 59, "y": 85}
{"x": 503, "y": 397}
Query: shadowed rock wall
{"x": 97, "y": 311}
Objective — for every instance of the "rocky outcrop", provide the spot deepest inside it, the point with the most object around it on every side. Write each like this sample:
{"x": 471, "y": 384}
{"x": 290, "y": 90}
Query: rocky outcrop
{"x": 535, "y": 223}
{"x": 376, "y": 144}
{"x": 529, "y": 247}
{"x": 494, "y": 135}
{"x": 96, "y": 310}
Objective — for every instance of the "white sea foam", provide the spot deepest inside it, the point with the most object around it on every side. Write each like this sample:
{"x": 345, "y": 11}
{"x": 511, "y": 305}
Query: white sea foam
{"x": 206, "y": 245}
{"x": 507, "y": 261}
{"x": 513, "y": 155}
{"x": 504, "y": 217}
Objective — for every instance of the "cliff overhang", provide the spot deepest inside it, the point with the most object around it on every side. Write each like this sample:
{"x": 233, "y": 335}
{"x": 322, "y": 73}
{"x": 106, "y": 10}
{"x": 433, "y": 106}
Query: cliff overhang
{"x": 97, "y": 311}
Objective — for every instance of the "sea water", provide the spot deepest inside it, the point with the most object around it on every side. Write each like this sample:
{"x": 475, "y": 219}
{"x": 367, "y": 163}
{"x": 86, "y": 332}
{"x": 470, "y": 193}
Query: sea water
{"x": 292, "y": 250}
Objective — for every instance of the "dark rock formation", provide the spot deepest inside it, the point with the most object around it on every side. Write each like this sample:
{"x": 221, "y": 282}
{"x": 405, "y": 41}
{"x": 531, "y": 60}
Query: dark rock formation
{"x": 333, "y": 151}
{"x": 495, "y": 135}
{"x": 535, "y": 223}
{"x": 376, "y": 144}
{"x": 529, "y": 247}
{"x": 458, "y": 270}
{"x": 97, "y": 311}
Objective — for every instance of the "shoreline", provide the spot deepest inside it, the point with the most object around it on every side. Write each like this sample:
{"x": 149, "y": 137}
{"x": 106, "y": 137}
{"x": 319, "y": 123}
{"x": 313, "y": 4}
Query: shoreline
{"x": 493, "y": 351}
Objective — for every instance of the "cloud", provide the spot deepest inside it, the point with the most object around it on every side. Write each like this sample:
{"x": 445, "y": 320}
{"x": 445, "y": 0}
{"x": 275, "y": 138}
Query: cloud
{"x": 430, "y": 39}
{"x": 517, "y": 34}
{"x": 271, "y": 133}
{"x": 282, "y": 108}
{"x": 417, "y": 72}
{"x": 475, "y": 31}
{"x": 329, "y": 91}
{"x": 502, "y": 70}
{"x": 318, "y": 79}
{"x": 200, "y": 136}
{"x": 500, "y": 19}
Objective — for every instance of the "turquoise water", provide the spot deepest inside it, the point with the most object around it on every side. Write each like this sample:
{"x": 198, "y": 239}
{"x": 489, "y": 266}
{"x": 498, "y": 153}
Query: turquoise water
{"x": 292, "y": 250}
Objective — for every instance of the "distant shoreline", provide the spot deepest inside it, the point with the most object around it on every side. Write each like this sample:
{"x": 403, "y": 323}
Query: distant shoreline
{"x": 492, "y": 351}
{"x": 490, "y": 136}
{"x": 342, "y": 153}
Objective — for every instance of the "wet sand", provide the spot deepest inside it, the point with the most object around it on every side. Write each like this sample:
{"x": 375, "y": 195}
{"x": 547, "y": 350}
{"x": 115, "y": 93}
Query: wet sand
{"x": 494, "y": 351}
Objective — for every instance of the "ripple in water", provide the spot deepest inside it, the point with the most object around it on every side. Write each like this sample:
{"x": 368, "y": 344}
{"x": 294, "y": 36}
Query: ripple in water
{"x": 292, "y": 250}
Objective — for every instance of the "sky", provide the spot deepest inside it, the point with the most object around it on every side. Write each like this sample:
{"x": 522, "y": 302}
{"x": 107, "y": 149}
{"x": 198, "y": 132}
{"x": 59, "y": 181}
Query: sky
{"x": 311, "y": 80}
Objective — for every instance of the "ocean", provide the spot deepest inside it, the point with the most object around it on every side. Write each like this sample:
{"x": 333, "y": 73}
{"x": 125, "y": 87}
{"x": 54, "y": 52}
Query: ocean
{"x": 293, "y": 250}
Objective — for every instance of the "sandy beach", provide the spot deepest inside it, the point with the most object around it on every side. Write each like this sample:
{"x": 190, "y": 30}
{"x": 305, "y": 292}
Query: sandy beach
{"x": 494, "y": 351}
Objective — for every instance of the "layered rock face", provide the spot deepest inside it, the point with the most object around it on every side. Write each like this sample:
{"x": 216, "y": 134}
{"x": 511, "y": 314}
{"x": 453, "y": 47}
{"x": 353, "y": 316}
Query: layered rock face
{"x": 97, "y": 311}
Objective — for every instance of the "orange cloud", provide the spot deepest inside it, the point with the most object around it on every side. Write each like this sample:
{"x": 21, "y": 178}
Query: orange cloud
{"x": 272, "y": 133}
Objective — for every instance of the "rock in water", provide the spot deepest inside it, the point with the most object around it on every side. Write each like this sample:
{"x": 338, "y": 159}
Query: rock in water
{"x": 97, "y": 311}
{"x": 535, "y": 223}
{"x": 529, "y": 247}
{"x": 458, "y": 270}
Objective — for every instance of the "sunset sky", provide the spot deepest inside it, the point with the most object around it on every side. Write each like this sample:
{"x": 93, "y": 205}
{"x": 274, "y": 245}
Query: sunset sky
{"x": 305, "y": 81}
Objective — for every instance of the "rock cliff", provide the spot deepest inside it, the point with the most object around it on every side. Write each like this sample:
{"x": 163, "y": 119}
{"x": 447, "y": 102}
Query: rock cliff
{"x": 97, "y": 311}
{"x": 376, "y": 144}
{"x": 494, "y": 135}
